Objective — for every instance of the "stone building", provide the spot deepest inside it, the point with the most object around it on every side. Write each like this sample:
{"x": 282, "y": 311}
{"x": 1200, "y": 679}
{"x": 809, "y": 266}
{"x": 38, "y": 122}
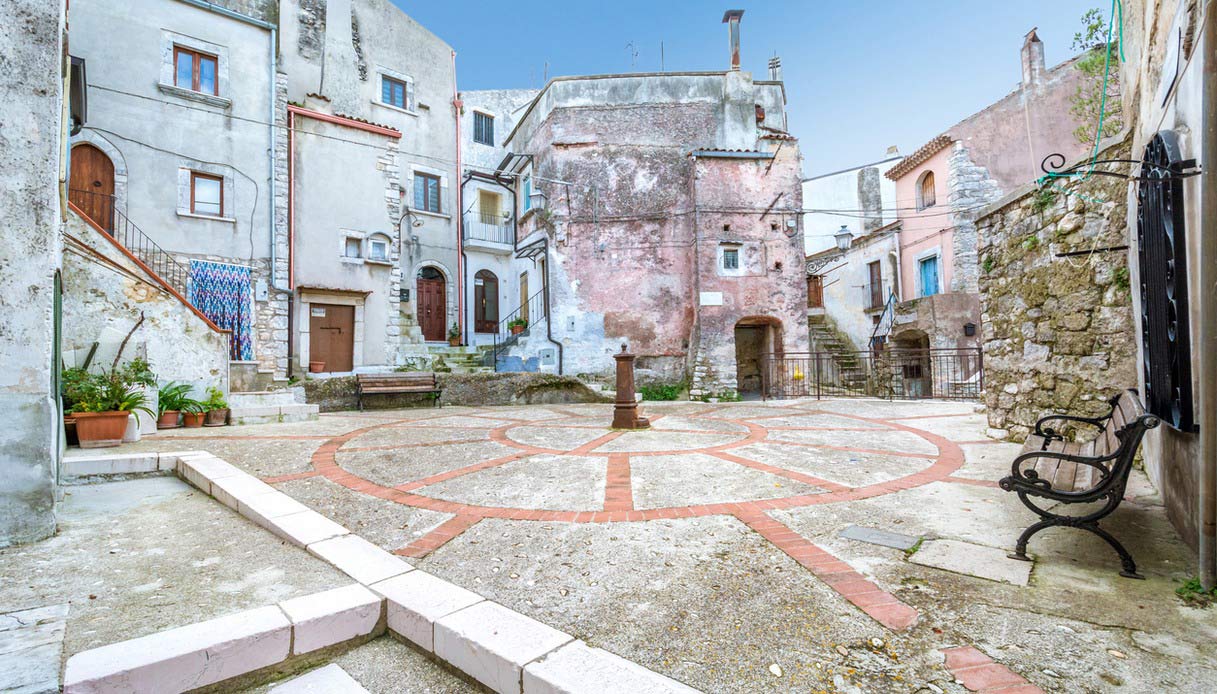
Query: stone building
{"x": 847, "y": 292}
{"x": 34, "y": 88}
{"x": 370, "y": 223}
{"x": 665, "y": 209}
{"x": 496, "y": 281}
{"x": 943, "y": 184}
{"x": 175, "y": 163}
{"x": 1170, "y": 104}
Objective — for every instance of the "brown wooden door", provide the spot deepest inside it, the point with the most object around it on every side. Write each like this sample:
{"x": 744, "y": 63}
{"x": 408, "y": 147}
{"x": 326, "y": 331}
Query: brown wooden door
{"x": 432, "y": 308}
{"x": 91, "y": 184}
{"x": 815, "y": 291}
{"x": 524, "y": 297}
{"x": 331, "y": 336}
{"x": 485, "y": 302}
{"x": 876, "y": 284}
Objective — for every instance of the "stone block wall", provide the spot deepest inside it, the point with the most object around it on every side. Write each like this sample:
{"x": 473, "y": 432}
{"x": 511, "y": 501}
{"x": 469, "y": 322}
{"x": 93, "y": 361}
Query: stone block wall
{"x": 1058, "y": 333}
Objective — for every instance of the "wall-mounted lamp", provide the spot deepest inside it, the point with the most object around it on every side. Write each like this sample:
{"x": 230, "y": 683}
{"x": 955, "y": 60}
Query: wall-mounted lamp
{"x": 843, "y": 238}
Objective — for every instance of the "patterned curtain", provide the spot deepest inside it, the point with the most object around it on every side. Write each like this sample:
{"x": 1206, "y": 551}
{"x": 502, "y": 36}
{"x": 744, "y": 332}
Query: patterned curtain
{"x": 222, "y": 292}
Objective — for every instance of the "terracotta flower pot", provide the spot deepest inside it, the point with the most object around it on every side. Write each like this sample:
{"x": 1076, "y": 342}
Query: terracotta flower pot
{"x": 193, "y": 420}
{"x": 168, "y": 420}
{"x": 101, "y": 429}
{"x": 517, "y": 329}
{"x": 316, "y": 367}
{"x": 217, "y": 417}
{"x": 454, "y": 342}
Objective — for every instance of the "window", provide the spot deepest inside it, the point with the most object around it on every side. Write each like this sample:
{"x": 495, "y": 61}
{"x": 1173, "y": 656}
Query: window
{"x": 928, "y": 275}
{"x": 875, "y": 284}
{"x": 483, "y": 128}
{"x": 730, "y": 258}
{"x": 352, "y": 248}
{"x": 378, "y": 249}
{"x": 527, "y": 187}
{"x": 925, "y": 190}
{"x": 395, "y": 92}
{"x": 206, "y": 194}
{"x": 195, "y": 71}
{"x": 426, "y": 192}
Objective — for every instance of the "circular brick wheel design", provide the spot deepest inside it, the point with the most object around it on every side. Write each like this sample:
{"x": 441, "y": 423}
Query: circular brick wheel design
{"x": 618, "y": 500}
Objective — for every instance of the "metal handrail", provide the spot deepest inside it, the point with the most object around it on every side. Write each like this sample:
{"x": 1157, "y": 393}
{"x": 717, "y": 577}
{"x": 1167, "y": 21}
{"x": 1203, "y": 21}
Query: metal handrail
{"x": 100, "y": 208}
{"x": 495, "y": 228}
{"x": 536, "y": 310}
{"x": 889, "y": 313}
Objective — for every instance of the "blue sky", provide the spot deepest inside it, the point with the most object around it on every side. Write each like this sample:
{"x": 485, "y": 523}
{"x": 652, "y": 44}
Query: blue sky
{"x": 844, "y": 63}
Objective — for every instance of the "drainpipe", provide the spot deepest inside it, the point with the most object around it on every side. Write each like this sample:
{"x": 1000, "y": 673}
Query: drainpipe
{"x": 460, "y": 223}
{"x": 1207, "y": 342}
{"x": 291, "y": 239}
{"x": 549, "y": 313}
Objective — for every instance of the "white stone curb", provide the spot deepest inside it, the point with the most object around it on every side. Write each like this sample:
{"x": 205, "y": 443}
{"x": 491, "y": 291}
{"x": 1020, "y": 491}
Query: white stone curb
{"x": 501, "y": 648}
{"x": 331, "y": 679}
{"x": 73, "y": 469}
{"x": 492, "y": 644}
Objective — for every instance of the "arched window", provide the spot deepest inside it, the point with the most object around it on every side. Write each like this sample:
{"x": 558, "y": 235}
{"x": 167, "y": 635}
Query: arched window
{"x": 925, "y": 190}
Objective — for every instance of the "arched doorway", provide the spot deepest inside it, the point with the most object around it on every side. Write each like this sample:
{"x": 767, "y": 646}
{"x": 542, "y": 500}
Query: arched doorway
{"x": 754, "y": 338}
{"x": 432, "y": 304}
{"x": 911, "y": 367}
{"x": 485, "y": 302}
{"x": 91, "y": 184}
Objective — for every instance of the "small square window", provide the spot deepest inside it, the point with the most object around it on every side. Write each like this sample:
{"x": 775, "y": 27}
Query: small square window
{"x": 426, "y": 192}
{"x": 378, "y": 249}
{"x": 206, "y": 194}
{"x": 730, "y": 259}
{"x": 352, "y": 248}
{"x": 395, "y": 92}
{"x": 483, "y": 128}
{"x": 195, "y": 71}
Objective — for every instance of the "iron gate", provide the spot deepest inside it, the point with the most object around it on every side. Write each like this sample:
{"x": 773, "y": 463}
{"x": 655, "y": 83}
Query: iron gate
{"x": 906, "y": 374}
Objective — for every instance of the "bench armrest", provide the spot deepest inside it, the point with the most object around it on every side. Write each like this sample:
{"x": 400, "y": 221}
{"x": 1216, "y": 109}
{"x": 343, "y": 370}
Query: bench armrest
{"x": 1050, "y": 433}
{"x": 1028, "y": 477}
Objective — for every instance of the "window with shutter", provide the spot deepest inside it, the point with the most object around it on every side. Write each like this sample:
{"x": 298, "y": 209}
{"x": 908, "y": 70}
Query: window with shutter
{"x": 483, "y": 128}
{"x": 427, "y": 192}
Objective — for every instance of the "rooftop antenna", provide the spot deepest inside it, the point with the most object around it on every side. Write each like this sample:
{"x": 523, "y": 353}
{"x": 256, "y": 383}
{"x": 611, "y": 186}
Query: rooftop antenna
{"x": 629, "y": 47}
{"x": 545, "y": 75}
{"x": 661, "y": 57}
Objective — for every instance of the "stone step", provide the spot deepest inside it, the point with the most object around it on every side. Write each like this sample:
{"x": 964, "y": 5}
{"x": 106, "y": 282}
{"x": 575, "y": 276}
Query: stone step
{"x": 331, "y": 679}
{"x": 267, "y": 398}
{"x": 270, "y": 414}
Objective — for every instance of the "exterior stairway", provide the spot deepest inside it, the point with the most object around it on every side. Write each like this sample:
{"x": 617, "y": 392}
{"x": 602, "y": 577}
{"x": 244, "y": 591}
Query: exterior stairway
{"x": 285, "y": 405}
{"x": 458, "y": 360}
{"x": 849, "y": 368}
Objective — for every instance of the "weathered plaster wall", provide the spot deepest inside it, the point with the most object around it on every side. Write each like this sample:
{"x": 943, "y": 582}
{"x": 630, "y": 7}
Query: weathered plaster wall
{"x": 927, "y": 231}
{"x": 847, "y": 295}
{"x": 1172, "y": 457}
{"x": 104, "y": 296}
{"x": 1058, "y": 332}
{"x": 32, "y": 155}
{"x": 861, "y": 188}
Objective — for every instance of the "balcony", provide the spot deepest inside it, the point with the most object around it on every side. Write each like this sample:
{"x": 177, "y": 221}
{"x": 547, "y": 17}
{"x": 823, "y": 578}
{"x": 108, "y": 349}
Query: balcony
{"x": 489, "y": 232}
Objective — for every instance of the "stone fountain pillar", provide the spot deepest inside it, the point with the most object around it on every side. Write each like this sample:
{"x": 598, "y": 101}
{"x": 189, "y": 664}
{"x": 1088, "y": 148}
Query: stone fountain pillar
{"x": 625, "y": 412}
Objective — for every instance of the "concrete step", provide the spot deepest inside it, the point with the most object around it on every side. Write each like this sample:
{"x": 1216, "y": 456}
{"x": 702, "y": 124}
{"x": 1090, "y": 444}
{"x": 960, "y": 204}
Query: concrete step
{"x": 267, "y": 398}
{"x": 271, "y": 414}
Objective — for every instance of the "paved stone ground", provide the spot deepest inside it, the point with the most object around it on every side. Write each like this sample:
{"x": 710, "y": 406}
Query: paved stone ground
{"x": 709, "y": 548}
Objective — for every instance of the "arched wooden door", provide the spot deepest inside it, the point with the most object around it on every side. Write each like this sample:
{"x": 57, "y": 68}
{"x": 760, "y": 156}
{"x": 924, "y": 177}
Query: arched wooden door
{"x": 432, "y": 304}
{"x": 91, "y": 184}
{"x": 485, "y": 302}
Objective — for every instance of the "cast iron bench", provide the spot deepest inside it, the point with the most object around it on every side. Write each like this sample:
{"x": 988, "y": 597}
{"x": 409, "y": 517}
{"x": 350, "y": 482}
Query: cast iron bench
{"x": 395, "y": 383}
{"x": 1057, "y": 470}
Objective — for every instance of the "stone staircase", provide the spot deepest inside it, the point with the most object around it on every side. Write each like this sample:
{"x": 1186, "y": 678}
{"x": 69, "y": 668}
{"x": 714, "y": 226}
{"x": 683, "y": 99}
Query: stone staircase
{"x": 265, "y": 407}
{"x": 850, "y": 367}
{"x": 458, "y": 360}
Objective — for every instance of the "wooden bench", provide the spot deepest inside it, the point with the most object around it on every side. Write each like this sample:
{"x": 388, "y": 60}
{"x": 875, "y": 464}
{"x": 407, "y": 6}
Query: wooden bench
{"x": 1091, "y": 472}
{"x": 396, "y": 383}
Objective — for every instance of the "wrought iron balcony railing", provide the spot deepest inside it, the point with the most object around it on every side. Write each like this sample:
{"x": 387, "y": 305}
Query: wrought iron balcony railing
{"x": 495, "y": 228}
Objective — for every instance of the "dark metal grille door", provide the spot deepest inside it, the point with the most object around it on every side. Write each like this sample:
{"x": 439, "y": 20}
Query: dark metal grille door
{"x": 1162, "y": 262}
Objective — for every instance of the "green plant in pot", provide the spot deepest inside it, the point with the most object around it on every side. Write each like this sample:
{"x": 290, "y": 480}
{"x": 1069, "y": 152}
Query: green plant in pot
{"x": 102, "y": 404}
{"x": 517, "y": 325}
{"x": 193, "y": 412}
{"x": 217, "y": 408}
{"x": 173, "y": 400}
{"x": 454, "y": 335}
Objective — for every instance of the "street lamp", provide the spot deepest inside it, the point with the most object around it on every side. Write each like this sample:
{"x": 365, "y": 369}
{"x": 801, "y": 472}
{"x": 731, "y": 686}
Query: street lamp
{"x": 844, "y": 238}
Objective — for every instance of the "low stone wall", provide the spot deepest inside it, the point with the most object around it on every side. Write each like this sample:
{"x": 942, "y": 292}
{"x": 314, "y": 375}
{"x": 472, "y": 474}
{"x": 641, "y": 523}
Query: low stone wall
{"x": 336, "y": 394}
{"x": 1058, "y": 333}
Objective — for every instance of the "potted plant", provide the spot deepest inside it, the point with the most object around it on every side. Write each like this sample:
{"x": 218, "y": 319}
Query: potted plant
{"x": 454, "y": 335}
{"x": 172, "y": 399}
{"x": 103, "y": 404}
{"x": 517, "y": 325}
{"x": 70, "y": 383}
{"x": 140, "y": 373}
{"x": 193, "y": 413}
{"x": 217, "y": 408}
{"x": 316, "y": 367}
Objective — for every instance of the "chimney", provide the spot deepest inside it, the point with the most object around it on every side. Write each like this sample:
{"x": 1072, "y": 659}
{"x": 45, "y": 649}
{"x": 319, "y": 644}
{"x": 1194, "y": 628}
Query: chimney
{"x": 1033, "y": 59}
{"x": 775, "y": 69}
{"x": 731, "y": 19}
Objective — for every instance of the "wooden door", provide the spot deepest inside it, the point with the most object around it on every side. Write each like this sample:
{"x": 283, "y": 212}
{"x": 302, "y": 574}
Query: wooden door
{"x": 524, "y": 297}
{"x": 91, "y": 184}
{"x": 815, "y": 291}
{"x": 432, "y": 309}
{"x": 331, "y": 336}
{"x": 485, "y": 302}
{"x": 876, "y": 284}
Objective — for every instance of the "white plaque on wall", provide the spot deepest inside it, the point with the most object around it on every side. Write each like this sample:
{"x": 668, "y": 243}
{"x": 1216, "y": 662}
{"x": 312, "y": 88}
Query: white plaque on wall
{"x": 711, "y": 298}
